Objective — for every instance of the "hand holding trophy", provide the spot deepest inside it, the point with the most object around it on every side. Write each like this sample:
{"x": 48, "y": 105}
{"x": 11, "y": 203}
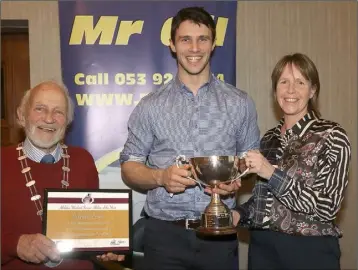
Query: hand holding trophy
{"x": 210, "y": 172}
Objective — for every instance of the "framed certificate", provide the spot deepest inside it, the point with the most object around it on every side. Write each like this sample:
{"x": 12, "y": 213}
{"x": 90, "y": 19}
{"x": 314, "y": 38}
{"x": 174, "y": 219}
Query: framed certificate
{"x": 89, "y": 220}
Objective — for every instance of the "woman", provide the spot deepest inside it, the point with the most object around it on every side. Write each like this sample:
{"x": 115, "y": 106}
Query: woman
{"x": 303, "y": 172}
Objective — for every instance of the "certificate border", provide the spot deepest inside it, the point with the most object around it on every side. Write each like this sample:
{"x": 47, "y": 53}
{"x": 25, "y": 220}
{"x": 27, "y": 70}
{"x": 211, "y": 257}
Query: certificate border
{"x": 91, "y": 251}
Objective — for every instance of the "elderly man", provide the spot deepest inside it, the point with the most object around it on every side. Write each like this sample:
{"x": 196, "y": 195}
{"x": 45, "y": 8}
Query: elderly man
{"x": 40, "y": 161}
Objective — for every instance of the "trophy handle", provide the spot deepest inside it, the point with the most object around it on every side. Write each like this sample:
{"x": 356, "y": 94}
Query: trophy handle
{"x": 239, "y": 175}
{"x": 180, "y": 160}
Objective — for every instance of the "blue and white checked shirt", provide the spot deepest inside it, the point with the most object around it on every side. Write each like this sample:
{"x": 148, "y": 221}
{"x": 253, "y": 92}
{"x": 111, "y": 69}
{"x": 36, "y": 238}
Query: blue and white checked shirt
{"x": 35, "y": 154}
{"x": 171, "y": 121}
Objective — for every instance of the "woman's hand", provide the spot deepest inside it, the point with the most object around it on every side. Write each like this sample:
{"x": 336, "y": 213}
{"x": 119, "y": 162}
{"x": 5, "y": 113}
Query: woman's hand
{"x": 258, "y": 164}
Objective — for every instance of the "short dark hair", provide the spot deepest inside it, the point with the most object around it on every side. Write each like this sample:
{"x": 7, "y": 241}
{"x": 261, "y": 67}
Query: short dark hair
{"x": 307, "y": 68}
{"x": 197, "y": 15}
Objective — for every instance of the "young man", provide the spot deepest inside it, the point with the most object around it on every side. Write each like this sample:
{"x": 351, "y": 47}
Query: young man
{"x": 40, "y": 162}
{"x": 193, "y": 115}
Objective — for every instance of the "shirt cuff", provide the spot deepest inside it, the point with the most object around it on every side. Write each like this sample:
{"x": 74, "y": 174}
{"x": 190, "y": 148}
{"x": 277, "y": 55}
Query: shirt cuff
{"x": 52, "y": 264}
{"x": 124, "y": 158}
{"x": 278, "y": 182}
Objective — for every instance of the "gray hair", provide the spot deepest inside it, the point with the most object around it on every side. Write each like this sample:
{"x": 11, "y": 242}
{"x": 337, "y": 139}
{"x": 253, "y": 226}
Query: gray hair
{"x": 70, "y": 105}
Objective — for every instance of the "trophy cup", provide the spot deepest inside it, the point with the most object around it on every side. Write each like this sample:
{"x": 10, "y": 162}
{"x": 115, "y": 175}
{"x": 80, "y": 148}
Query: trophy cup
{"x": 211, "y": 171}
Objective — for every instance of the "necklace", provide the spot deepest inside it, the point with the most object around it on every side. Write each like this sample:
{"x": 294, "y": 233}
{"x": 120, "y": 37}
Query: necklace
{"x": 31, "y": 183}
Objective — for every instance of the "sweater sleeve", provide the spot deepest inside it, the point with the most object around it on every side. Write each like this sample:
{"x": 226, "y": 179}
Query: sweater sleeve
{"x": 9, "y": 242}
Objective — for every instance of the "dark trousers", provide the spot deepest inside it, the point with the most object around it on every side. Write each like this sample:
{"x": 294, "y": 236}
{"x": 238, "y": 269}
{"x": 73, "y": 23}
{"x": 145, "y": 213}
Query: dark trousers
{"x": 275, "y": 250}
{"x": 169, "y": 246}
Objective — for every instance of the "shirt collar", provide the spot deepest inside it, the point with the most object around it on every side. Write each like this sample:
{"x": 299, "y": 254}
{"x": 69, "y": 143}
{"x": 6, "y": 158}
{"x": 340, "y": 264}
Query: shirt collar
{"x": 300, "y": 127}
{"x": 181, "y": 86}
{"x": 35, "y": 154}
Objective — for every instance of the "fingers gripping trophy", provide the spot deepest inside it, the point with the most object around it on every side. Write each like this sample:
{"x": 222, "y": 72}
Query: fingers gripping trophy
{"x": 210, "y": 172}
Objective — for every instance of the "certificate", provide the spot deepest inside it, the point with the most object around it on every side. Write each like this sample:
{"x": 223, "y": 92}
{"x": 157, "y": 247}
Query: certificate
{"x": 89, "y": 220}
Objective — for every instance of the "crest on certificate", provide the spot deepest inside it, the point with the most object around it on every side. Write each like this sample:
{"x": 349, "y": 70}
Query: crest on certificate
{"x": 88, "y": 199}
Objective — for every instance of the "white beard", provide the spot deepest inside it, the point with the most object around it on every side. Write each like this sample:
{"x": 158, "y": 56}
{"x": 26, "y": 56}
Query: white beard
{"x": 30, "y": 133}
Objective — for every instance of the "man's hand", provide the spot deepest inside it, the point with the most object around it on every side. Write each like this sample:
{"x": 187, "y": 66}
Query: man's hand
{"x": 110, "y": 257}
{"x": 235, "y": 217}
{"x": 37, "y": 248}
{"x": 175, "y": 180}
{"x": 225, "y": 189}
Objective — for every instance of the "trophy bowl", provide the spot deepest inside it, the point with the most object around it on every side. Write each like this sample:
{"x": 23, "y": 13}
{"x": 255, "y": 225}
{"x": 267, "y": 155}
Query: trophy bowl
{"x": 211, "y": 171}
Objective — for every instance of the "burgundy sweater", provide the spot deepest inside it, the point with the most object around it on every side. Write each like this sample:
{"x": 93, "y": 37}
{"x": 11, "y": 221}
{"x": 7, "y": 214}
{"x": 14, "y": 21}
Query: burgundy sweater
{"x": 18, "y": 212}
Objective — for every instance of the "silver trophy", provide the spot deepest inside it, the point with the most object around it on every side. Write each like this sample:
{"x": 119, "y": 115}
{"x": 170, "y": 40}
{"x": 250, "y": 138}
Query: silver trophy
{"x": 210, "y": 172}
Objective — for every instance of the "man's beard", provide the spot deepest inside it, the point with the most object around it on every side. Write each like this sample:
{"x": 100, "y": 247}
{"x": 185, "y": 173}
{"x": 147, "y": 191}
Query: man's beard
{"x": 30, "y": 133}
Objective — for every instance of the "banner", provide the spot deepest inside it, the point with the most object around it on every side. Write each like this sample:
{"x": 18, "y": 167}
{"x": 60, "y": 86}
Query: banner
{"x": 115, "y": 52}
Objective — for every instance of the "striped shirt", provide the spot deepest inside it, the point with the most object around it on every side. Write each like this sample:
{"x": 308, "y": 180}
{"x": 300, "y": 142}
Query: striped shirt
{"x": 171, "y": 121}
{"x": 35, "y": 154}
{"x": 306, "y": 190}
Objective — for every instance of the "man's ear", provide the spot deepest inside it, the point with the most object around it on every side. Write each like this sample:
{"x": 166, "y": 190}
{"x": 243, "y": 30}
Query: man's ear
{"x": 20, "y": 117}
{"x": 172, "y": 46}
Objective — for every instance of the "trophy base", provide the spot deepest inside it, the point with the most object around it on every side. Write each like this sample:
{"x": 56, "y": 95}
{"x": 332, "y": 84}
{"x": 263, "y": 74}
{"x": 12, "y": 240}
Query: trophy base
{"x": 216, "y": 224}
{"x": 216, "y": 231}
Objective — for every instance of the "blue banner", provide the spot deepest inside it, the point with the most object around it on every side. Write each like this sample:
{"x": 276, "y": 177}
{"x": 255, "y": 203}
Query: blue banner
{"x": 115, "y": 52}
